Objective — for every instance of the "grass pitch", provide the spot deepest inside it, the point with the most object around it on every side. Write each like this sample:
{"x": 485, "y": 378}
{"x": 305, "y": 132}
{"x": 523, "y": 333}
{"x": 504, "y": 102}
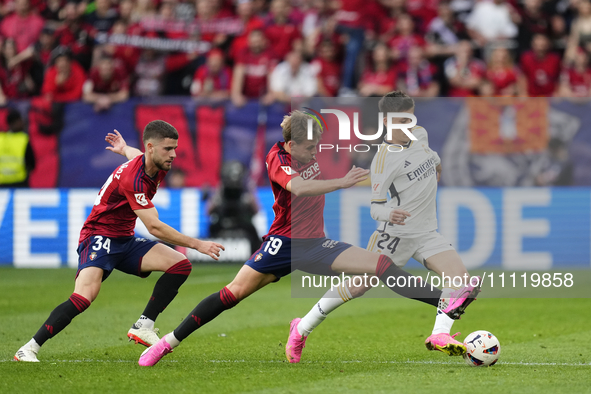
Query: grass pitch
{"x": 368, "y": 345}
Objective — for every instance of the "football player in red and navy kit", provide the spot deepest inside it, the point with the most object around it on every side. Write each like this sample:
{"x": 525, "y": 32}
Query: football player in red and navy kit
{"x": 296, "y": 239}
{"x": 107, "y": 239}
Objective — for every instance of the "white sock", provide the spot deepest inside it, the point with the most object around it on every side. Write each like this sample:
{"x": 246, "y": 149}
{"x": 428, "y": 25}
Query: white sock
{"x": 144, "y": 322}
{"x": 171, "y": 339}
{"x": 33, "y": 345}
{"x": 443, "y": 322}
{"x": 331, "y": 300}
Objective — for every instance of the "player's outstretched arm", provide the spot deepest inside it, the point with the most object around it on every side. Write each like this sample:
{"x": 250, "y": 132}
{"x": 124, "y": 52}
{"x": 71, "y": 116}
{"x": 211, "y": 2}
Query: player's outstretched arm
{"x": 118, "y": 145}
{"x": 168, "y": 234}
{"x": 312, "y": 187}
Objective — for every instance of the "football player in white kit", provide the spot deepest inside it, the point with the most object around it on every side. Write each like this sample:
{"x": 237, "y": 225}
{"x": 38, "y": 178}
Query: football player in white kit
{"x": 406, "y": 171}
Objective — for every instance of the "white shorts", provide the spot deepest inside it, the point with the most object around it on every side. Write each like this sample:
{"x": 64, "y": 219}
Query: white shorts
{"x": 401, "y": 249}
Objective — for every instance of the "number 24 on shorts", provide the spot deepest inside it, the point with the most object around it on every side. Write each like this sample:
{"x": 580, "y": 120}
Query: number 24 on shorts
{"x": 391, "y": 246}
{"x": 273, "y": 245}
{"x": 98, "y": 243}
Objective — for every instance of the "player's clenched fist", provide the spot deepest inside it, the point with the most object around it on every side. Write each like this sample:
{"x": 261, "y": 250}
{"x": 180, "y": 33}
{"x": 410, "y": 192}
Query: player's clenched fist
{"x": 212, "y": 249}
{"x": 397, "y": 216}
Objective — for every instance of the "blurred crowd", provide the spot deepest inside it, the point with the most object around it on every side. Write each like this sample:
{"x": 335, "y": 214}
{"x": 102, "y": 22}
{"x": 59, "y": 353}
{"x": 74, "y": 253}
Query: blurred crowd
{"x": 105, "y": 51}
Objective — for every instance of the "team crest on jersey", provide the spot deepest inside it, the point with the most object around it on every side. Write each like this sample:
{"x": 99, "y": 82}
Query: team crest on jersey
{"x": 258, "y": 257}
{"x": 141, "y": 199}
{"x": 287, "y": 170}
{"x": 92, "y": 256}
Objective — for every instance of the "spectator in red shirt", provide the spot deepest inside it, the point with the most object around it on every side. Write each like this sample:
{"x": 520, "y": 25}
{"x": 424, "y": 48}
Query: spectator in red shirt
{"x": 318, "y": 25}
{"x": 417, "y": 75}
{"x": 107, "y": 85}
{"x": 63, "y": 81}
{"x": 23, "y": 26}
{"x": 423, "y": 11}
{"x": 283, "y": 35}
{"x": 15, "y": 80}
{"x": 251, "y": 71}
{"x": 464, "y": 72}
{"x": 386, "y": 26}
{"x": 31, "y": 62}
{"x": 405, "y": 39}
{"x": 149, "y": 73}
{"x": 501, "y": 73}
{"x": 575, "y": 79}
{"x": 533, "y": 20}
{"x": 327, "y": 69}
{"x": 380, "y": 78}
{"x": 45, "y": 46}
{"x": 126, "y": 57}
{"x": 208, "y": 12}
{"x": 76, "y": 35}
{"x": 213, "y": 79}
{"x": 245, "y": 11}
{"x": 540, "y": 69}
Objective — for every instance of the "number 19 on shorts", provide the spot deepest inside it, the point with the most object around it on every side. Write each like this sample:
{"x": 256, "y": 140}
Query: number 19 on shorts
{"x": 273, "y": 245}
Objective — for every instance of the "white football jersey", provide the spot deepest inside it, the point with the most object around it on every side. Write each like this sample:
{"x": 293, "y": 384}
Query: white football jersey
{"x": 405, "y": 179}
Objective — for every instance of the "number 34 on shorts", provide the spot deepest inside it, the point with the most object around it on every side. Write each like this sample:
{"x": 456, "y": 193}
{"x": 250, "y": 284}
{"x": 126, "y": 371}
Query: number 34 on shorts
{"x": 99, "y": 246}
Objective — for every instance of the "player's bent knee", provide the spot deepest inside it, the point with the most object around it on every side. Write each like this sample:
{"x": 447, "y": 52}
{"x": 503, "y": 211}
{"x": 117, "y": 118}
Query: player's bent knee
{"x": 88, "y": 283}
{"x": 161, "y": 258}
{"x": 182, "y": 267}
{"x": 175, "y": 258}
{"x": 88, "y": 292}
{"x": 240, "y": 292}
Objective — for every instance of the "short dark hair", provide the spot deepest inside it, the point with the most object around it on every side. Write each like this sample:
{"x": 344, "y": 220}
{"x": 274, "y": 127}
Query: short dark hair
{"x": 159, "y": 130}
{"x": 396, "y": 101}
{"x": 60, "y": 51}
{"x": 295, "y": 127}
{"x": 13, "y": 116}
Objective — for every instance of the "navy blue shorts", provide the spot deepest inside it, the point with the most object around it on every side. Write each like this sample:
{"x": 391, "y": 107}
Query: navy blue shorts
{"x": 124, "y": 254}
{"x": 280, "y": 255}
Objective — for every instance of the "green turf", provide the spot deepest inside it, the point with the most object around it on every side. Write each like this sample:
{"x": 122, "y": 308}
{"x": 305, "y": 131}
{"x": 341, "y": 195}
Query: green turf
{"x": 369, "y": 345}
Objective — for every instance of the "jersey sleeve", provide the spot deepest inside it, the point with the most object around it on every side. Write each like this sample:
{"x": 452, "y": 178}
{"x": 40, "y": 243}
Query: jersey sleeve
{"x": 134, "y": 191}
{"x": 436, "y": 158}
{"x": 382, "y": 176}
{"x": 421, "y": 134}
{"x": 280, "y": 170}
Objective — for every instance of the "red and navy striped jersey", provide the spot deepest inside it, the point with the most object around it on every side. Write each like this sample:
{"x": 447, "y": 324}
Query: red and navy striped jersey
{"x": 127, "y": 189}
{"x": 295, "y": 217}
